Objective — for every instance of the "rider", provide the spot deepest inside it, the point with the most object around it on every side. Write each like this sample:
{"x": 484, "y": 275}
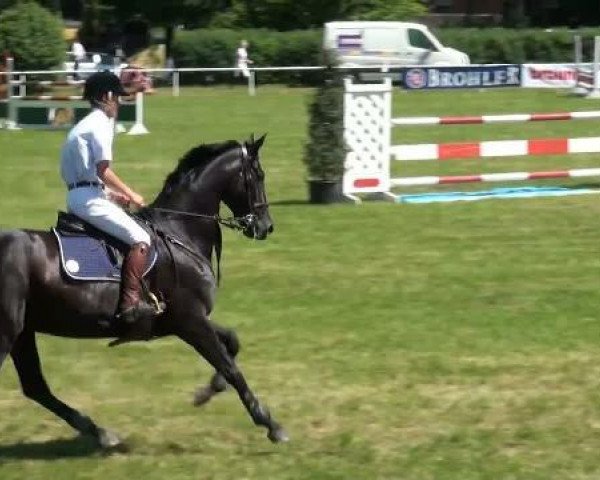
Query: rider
{"x": 86, "y": 170}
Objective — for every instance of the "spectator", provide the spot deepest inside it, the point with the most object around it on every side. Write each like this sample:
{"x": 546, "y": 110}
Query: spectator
{"x": 136, "y": 80}
{"x": 242, "y": 59}
{"x": 78, "y": 52}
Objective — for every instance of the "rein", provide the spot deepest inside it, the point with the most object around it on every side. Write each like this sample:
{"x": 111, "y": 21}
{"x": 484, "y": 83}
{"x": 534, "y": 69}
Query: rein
{"x": 235, "y": 223}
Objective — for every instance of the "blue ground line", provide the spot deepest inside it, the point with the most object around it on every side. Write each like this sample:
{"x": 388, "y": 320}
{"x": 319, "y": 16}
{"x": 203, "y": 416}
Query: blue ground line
{"x": 520, "y": 192}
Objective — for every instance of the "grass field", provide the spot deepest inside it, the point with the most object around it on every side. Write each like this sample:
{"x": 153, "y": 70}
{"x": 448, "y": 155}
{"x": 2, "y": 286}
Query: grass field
{"x": 456, "y": 341}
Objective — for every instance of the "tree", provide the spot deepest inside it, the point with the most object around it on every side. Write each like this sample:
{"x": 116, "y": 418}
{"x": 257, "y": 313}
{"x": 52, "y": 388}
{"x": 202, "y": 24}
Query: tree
{"x": 392, "y": 10}
{"x": 169, "y": 13}
{"x": 32, "y": 35}
{"x": 52, "y": 5}
{"x": 294, "y": 15}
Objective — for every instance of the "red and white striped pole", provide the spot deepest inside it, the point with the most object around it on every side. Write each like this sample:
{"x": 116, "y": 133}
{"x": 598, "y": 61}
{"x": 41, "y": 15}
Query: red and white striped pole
{"x": 495, "y": 177}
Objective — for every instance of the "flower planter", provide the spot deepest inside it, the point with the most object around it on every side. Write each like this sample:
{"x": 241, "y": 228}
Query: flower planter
{"x": 325, "y": 191}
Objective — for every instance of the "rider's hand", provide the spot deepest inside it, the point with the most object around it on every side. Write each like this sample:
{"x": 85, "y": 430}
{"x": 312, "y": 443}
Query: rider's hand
{"x": 137, "y": 200}
{"x": 120, "y": 199}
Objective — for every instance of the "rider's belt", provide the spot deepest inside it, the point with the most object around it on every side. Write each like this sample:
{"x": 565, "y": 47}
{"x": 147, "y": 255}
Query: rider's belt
{"x": 72, "y": 186}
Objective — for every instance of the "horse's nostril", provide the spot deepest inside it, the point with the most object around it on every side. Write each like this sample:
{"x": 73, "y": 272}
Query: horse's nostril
{"x": 271, "y": 228}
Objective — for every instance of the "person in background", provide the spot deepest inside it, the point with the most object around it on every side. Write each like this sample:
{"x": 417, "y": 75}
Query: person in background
{"x": 78, "y": 52}
{"x": 135, "y": 79}
{"x": 242, "y": 59}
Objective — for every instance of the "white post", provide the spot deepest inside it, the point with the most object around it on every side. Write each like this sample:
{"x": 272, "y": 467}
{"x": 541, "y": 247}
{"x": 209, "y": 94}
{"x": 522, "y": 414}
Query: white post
{"x": 367, "y": 132}
{"x": 251, "y": 84}
{"x": 175, "y": 81}
{"x": 138, "y": 127}
{"x": 11, "y": 120}
{"x": 595, "y": 92}
{"x": 22, "y": 86}
{"x": 578, "y": 54}
{"x": 578, "y": 89}
{"x": 10, "y": 65}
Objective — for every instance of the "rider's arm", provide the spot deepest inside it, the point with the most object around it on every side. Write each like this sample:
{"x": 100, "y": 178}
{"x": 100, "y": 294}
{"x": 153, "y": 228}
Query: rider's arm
{"x": 110, "y": 178}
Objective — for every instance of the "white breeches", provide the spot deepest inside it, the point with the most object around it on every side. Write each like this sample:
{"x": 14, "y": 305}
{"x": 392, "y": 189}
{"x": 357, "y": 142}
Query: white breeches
{"x": 244, "y": 70}
{"x": 92, "y": 204}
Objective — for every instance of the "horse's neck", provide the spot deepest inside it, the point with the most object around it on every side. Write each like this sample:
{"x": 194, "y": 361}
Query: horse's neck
{"x": 197, "y": 228}
{"x": 201, "y": 198}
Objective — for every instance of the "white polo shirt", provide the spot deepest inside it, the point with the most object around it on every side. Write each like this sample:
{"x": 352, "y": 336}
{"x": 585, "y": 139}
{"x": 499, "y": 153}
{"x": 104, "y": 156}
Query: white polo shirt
{"x": 87, "y": 144}
{"x": 242, "y": 57}
{"x": 78, "y": 51}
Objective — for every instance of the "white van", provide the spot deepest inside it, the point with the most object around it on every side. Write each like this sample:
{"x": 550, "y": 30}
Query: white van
{"x": 363, "y": 44}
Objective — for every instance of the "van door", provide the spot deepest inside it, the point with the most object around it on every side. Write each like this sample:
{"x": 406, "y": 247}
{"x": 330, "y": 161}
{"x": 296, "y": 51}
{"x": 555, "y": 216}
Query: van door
{"x": 381, "y": 46}
{"x": 421, "y": 49}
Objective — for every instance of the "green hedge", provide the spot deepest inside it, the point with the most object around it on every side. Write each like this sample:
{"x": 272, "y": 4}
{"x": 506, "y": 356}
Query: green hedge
{"x": 216, "y": 48}
{"x": 33, "y": 36}
{"x": 499, "y": 45}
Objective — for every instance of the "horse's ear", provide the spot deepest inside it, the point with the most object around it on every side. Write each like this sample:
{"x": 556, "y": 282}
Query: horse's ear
{"x": 260, "y": 142}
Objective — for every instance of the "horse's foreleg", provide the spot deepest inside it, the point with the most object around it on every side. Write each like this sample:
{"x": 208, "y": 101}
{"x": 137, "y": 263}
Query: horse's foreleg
{"x": 27, "y": 362}
{"x": 200, "y": 334}
{"x": 218, "y": 383}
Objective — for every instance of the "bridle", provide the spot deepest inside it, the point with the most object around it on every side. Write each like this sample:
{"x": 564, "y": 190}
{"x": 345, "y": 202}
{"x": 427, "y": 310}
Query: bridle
{"x": 235, "y": 223}
{"x": 242, "y": 223}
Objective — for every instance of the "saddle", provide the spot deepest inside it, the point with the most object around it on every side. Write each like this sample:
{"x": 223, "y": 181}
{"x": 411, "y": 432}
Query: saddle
{"x": 89, "y": 254}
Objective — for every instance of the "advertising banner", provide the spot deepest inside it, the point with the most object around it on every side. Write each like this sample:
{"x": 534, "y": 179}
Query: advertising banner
{"x": 549, "y": 75}
{"x": 468, "y": 76}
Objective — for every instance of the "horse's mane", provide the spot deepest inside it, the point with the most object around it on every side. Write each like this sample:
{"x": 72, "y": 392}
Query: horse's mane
{"x": 196, "y": 160}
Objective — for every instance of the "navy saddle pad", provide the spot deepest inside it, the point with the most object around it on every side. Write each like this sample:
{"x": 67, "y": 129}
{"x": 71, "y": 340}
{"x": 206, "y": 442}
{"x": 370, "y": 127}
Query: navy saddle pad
{"x": 86, "y": 253}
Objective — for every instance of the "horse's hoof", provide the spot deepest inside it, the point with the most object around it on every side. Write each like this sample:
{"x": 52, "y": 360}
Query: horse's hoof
{"x": 110, "y": 441}
{"x": 202, "y": 396}
{"x": 278, "y": 435}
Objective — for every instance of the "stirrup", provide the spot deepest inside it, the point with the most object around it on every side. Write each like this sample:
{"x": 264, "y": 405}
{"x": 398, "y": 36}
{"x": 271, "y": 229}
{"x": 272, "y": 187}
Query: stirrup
{"x": 137, "y": 321}
{"x": 136, "y": 313}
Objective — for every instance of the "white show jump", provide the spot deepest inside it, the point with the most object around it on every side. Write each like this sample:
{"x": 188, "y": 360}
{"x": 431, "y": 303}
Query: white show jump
{"x": 368, "y": 124}
{"x": 17, "y": 98}
{"x": 587, "y": 74}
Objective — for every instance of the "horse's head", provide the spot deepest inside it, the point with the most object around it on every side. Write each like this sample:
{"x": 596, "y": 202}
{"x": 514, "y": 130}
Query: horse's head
{"x": 227, "y": 172}
{"x": 246, "y": 196}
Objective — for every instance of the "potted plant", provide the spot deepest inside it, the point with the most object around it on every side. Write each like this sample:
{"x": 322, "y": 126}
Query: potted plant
{"x": 325, "y": 150}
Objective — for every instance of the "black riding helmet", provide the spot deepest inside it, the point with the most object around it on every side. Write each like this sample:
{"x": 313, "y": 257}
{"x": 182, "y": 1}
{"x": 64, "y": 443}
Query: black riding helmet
{"x": 101, "y": 83}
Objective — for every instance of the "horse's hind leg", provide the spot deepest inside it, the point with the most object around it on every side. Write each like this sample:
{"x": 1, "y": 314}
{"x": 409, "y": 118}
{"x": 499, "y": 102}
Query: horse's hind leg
{"x": 200, "y": 334}
{"x": 218, "y": 383}
{"x": 3, "y": 355}
{"x": 27, "y": 362}
{"x": 5, "y": 347}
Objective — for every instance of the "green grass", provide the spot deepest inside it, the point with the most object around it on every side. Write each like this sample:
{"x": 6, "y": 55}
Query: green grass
{"x": 455, "y": 341}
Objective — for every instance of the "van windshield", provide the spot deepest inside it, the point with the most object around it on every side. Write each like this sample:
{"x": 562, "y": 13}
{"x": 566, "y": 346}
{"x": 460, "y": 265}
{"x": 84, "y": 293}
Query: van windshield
{"x": 418, "y": 39}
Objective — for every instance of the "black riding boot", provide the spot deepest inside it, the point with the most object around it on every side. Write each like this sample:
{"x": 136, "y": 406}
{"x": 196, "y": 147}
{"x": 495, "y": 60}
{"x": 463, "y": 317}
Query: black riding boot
{"x": 134, "y": 313}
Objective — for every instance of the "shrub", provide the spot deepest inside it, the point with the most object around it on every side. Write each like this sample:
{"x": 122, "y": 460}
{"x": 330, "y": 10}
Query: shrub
{"x": 33, "y": 36}
{"x": 325, "y": 151}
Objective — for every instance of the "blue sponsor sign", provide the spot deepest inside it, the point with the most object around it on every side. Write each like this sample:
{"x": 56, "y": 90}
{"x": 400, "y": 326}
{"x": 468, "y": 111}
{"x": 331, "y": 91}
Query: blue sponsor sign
{"x": 484, "y": 76}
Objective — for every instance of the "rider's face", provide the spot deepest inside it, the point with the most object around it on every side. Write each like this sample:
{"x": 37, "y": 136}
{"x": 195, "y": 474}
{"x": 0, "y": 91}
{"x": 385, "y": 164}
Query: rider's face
{"x": 110, "y": 104}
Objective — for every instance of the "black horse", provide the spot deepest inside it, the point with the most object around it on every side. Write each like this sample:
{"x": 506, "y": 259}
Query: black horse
{"x": 35, "y": 296}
